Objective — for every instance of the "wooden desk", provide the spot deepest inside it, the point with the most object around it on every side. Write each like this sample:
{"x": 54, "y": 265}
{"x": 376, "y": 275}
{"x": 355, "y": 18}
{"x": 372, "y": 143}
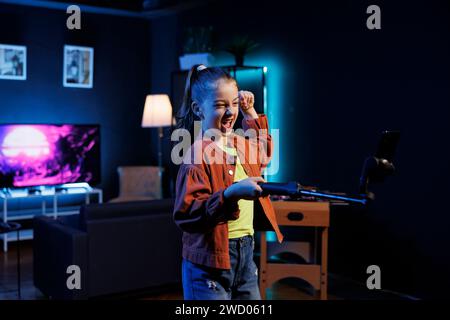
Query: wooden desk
{"x": 301, "y": 214}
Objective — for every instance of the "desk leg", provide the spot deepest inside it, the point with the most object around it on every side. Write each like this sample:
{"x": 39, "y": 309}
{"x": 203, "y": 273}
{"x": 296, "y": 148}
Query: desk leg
{"x": 55, "y": 206}
{"x": 324, "y": 264}
{"x": 5, "y": 210}
{"x": 316, "y": 246}
{"x": 43, "y": 206}
{"x": 5, "y": 242}
{"x": 19, "y": 294}
{"x": 263, "y": 266}
{"x": 5, "y": 219}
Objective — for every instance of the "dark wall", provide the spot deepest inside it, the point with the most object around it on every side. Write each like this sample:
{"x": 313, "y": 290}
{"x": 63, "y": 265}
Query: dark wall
{"x": 340, "y": 85}
{"x": 163, "y": 60}
{"x": 121, "y": 81}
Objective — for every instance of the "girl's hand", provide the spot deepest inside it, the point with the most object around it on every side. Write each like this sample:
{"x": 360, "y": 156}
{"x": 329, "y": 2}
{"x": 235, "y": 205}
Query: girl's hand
{"x": 246, "y": 104}
{"x": 245, "y": 189}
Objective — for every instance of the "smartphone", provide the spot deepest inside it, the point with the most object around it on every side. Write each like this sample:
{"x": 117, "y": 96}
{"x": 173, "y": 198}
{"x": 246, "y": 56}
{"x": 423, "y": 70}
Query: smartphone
{"x": 387, "y": 145}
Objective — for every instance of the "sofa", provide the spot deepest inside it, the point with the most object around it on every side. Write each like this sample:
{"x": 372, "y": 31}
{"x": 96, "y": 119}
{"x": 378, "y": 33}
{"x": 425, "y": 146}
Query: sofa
{"x": 118, "y": 247}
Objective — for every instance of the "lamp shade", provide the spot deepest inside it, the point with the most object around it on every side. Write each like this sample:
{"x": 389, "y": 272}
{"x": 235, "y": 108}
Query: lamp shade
{"x": 157, "y": 111}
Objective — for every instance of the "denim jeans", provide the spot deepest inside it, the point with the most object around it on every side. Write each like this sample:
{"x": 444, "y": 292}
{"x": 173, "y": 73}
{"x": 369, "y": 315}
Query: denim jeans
{"x": 239, "y": 283}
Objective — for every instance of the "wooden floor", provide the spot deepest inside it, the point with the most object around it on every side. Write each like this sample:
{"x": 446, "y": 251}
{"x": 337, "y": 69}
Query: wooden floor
{"x": 286, "y": 289}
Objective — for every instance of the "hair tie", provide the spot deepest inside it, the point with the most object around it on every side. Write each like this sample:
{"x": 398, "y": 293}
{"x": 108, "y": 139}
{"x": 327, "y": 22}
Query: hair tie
{"x": 201, "y": 67}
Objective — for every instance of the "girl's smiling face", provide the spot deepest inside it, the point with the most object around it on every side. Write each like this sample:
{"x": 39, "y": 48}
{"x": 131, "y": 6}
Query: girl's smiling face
{"x": 219, "y": 110}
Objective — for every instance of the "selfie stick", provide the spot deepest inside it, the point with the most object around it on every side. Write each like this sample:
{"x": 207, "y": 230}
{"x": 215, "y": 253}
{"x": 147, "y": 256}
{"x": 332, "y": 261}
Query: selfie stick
{"x": 295, "y": 190}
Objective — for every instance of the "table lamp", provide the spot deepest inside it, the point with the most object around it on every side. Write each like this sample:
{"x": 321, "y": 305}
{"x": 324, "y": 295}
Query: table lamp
{"x": 157, "y": 114}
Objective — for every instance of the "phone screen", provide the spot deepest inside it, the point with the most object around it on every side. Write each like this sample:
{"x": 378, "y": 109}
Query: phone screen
{"x": 387, "y": 145}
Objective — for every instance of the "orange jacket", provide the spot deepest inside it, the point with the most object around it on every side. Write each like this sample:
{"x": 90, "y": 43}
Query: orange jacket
{"x": 202, "y": 212}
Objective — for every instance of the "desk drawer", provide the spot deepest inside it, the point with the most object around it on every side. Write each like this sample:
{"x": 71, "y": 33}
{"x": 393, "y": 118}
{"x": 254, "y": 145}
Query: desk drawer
{"x": 302, "y": 213}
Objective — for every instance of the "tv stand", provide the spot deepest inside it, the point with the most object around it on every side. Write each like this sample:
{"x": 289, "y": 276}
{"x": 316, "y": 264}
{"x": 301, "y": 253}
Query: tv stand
{"x": 42, "y": 196}
{"x": 33, "y": 190}
{"x": 61, "y": 190}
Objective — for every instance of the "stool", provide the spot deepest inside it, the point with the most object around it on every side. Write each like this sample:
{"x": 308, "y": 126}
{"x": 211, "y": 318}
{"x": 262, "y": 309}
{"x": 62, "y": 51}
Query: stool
{"x": 301, "y": 214}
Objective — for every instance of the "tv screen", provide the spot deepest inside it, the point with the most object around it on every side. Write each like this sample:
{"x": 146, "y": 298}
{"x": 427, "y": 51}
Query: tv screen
{"x": 47, "y": 154}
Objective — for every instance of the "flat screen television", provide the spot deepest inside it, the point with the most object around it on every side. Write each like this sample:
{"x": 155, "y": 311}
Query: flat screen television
{"x": 48, "y": 154}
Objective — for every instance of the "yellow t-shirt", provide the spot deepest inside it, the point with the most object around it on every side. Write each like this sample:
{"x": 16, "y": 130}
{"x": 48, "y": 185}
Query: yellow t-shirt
{"x": 244, "y": 224}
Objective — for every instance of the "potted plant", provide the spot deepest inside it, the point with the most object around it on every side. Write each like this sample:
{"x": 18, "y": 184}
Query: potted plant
{"x": 239, "y": 47}
{"x": 197, "y": 47}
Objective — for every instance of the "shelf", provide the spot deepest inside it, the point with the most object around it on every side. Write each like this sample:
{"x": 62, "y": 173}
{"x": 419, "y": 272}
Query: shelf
{"x": 53, "y": 210}
{"x": 25, "y": 234}
{"x": 21, "y": 194}
{"x": 31, "y": 213}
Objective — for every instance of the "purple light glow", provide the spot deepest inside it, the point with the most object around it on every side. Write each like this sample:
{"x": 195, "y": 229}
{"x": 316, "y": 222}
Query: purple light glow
{"x": 32, "y": 155}
{"x": 26, "y": 142}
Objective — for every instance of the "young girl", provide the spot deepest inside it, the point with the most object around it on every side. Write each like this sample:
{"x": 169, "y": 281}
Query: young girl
{"x": 218, "y": 204}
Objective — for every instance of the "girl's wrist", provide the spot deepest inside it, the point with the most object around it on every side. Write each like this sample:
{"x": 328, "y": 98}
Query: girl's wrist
{"x": 250, "y": 113}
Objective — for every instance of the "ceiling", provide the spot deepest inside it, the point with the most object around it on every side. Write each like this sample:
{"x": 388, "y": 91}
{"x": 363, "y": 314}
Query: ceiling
{"x": 131, "y": 5}
{"x": 146, "y": 9}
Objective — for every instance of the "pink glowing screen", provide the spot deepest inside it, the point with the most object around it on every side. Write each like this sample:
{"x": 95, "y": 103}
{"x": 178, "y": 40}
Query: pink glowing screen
{"x": 37, "y": 155}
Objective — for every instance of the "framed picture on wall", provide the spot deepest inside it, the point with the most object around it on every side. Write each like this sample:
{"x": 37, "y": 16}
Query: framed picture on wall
{"x": 13, "y": 62}
{"x": 78, "y": 67}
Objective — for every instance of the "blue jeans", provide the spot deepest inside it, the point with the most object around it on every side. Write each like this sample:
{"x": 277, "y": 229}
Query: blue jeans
{"x": 239, "y": 283}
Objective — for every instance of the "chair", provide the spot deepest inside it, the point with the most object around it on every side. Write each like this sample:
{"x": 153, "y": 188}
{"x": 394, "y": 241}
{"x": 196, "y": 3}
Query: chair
{"x": 138, "y": 183}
